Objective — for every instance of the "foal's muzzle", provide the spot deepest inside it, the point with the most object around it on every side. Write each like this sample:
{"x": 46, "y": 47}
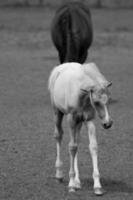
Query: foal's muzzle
{"x": 107, "y": 124}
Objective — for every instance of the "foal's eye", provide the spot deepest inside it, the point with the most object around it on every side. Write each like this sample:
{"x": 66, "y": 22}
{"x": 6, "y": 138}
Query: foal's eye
{"x": 104, "y": 99}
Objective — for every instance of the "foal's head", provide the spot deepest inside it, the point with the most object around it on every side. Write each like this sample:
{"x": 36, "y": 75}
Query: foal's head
{"x": 100, "y": 99}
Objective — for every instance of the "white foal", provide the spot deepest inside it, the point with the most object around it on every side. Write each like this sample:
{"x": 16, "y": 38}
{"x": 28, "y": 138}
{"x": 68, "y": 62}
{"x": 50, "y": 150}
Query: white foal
{"x": 79, "y": 91}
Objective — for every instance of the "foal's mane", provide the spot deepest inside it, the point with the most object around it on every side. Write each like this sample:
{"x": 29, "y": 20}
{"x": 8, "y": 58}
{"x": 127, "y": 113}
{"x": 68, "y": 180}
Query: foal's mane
{"x": 91, "y": 70}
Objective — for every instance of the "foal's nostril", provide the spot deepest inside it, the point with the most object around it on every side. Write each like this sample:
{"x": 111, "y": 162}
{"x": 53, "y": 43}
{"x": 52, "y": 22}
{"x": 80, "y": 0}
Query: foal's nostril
{"x": 108, "y": 124}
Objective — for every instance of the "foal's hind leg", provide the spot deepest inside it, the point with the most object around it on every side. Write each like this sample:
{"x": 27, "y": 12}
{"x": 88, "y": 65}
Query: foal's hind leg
{"x": 77, "y": 179}
{"x": 74, "y": 129}
{"x": 58, "y": 133}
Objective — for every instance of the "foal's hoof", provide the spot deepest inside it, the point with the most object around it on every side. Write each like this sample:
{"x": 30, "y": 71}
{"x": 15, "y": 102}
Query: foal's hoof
{"x": 77, "y": 186}
{"x": 99, "y": 191}
{"x": 71, "y": 189}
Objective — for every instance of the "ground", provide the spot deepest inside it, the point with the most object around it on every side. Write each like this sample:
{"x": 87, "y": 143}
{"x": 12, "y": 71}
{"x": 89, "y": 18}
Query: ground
{"x": 27, "y": 146}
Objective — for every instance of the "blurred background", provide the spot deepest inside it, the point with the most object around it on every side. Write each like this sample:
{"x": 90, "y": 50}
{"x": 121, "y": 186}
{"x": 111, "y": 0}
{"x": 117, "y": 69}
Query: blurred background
{"x": 94, "y": 3}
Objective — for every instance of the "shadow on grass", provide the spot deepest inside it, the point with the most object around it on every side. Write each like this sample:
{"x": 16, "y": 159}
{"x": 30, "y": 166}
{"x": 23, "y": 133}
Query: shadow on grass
{"x": 110, "y": 186}
{"x": 113, "y": 188}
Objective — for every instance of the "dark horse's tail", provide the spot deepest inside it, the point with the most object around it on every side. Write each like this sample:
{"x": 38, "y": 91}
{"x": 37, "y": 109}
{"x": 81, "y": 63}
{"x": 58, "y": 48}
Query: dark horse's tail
{"x": 68, "y": 37}
{"x": 72, "y": 32}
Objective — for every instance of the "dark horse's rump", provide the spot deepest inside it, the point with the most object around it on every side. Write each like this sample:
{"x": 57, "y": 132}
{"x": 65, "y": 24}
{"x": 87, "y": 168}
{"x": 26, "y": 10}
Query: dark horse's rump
{"x": 72, "y": 32}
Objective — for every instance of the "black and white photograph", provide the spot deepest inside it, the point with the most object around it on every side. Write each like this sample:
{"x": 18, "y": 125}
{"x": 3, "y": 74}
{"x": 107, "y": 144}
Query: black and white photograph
{"x": 66, "y": 99}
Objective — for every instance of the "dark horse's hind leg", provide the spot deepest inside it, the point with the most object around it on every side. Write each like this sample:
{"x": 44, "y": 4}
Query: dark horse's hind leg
{"x": 83, "y": 56}
{"x": 61, "y": 56}
{"x": 58, "y": 133}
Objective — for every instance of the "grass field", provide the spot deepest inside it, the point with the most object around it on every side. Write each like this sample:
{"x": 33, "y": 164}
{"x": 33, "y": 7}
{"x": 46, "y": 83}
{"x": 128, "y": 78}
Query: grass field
{"x": 27, "y": 146}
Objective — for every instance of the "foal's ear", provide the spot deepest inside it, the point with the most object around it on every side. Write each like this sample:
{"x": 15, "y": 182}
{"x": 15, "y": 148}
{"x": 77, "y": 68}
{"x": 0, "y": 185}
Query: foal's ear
{"x": 84, "y": 91}
{"x": 108, "y": 84}
{"x": 87, "y": 90}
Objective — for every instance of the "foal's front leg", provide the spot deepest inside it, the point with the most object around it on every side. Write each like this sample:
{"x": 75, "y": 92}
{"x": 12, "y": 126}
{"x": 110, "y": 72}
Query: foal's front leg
{"x": 94, "y": 154}
{"x": 58, "y": 133}
{"x": 77, "y": 179}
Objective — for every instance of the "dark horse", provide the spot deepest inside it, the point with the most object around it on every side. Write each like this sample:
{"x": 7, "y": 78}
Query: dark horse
{"x": 71, "y": 32}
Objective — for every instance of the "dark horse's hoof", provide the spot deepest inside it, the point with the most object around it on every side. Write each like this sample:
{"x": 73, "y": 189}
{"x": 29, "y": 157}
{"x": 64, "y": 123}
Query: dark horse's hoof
{"x": 99, "y": 191}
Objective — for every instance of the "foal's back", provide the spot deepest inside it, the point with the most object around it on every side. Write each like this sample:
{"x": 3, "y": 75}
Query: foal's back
{"x": 65, "y": 84}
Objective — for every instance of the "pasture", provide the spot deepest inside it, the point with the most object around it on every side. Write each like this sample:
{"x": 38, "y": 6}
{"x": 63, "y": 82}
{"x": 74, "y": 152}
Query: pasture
{"x": 27, "y": 146}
